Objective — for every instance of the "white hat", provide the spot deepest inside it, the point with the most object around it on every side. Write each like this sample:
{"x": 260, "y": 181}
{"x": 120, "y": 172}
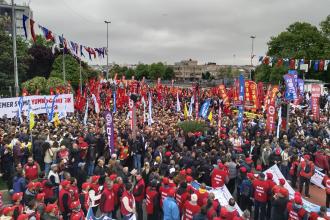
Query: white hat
{"x": 194, "y": 198}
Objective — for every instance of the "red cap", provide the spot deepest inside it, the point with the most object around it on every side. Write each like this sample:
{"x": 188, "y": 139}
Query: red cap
{"x": 65, "y": 183}
{"x": 113, "y": 177}
{"x": 220, "y": 165}
{"x": 171, "y": 192}
{"x": 259, "y": 167}
{"x": 269, "y": 176}
{"x": 7, "y": 210}
{"x": 168, "y": 153}
{"x": 74, "y": 205}
{"x": 298, "y": 200}
{"x": 250, "y": 176}
{"x": 183, "y": 172}
{"x": 165, "y": 180}
{"x": 50, "y": 207}
{"x": 307, "y": 157}
{"x": 248, "y": 160}
{"x": 40, "y": 196}
{"x": 188, "y": 171}
{"x": 23, "y": 217}
{"x": 95, "y": 179}
{"x": 83, "y": 145}
{"x": 282, "y": 181}
{"x": 223, "y": 212}
{"x": 85, "y": 185}
{"x": 38, "y": 184}
{"x": 17, "y": 196}
{"x": 75, "y": 216}
{"x": 189, "y": 179}
{"x": 31, "y": 185}
{"x": 297, "y": 194}
{"x": 243, "y": 169}
{"x": 278, "y": 151}
{"x": 284, "y": 192}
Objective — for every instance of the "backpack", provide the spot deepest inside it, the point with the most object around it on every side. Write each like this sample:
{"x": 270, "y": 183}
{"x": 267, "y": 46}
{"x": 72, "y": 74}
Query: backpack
{"x": 245, "y": 188}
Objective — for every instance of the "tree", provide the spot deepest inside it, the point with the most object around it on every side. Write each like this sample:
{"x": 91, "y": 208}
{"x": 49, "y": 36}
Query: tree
{"x": 169, "y": 73}
{"x": 129, "y": 73}
{"x": 300, "y": 40}
{"x": 42, "y": 59}
{"x": 7, "y": 61}
{"x": 71, "y": 70}
{"x": 142, "y": 70}
{"x": 156, "y": 70}
{"x": 206, "y": 75}
{"x": 37, "y": 83}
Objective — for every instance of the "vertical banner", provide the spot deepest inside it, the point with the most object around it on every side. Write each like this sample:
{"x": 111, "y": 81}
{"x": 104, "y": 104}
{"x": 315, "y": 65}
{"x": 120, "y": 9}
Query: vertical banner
{"x": 178, "y": 106}
{"x": 219, "y": 120}
{"x": 150, "y": 121}
{"x": 223, "y": 95}
{"x": 110, "y": 131}
{"x": 205, "y": 108}
{"x": 315, "y": 101}
{"x": 254, "y": 94}
{"x": 192, "y": 100}
{"x": 300, "y": 86}
{"x": 114, "y": 102}
{"x": 260, "y": 87}
{"x": 270, "y": 124}
{"x": 290, "y": 87}
{"x": 131, "y": 109}
{"x": 241, "y": 103}
{"x": 197, "y": 107}
{"x": 279, "y": 122}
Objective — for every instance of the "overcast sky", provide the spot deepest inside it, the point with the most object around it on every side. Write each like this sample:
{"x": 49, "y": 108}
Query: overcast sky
{"x": 171, "y": 30}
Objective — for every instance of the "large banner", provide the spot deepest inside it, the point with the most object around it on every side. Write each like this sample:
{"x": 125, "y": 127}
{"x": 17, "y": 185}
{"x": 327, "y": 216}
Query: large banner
{"x": 39, "y": 104}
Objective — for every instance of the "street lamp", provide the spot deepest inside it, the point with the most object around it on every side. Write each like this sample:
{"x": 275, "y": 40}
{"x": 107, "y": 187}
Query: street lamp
{"x": 107, "y": 23}
{"x": 252, "y": 55}
{"x": 13, "y": 20}
{"x": 252, "y": 47}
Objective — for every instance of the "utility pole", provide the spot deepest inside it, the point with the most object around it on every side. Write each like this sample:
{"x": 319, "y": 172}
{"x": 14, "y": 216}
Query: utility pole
{"x": 63, "y": 59}
{"x": 252, "y": 53}
{"x": 13, "y": 20}
{"x": 107, "y": 23}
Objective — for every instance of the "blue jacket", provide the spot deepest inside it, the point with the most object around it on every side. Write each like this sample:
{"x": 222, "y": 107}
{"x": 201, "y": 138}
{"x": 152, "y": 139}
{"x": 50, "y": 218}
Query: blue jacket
{"x": 171, "y": 209}
{"x": 19, "y": 184}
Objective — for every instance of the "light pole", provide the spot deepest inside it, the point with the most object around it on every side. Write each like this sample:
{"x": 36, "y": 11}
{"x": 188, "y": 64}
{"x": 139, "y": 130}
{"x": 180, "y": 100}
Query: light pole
{"x": 63, "y": 59}
{"x": 252, "y": 47}
{"x": 13, "y": 20}
{"x": 107, "y": 23}
{"x": 252, "y": 55}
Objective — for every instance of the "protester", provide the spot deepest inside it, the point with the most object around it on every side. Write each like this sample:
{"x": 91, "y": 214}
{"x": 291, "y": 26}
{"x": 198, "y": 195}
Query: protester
{"x": 75, "y": 167}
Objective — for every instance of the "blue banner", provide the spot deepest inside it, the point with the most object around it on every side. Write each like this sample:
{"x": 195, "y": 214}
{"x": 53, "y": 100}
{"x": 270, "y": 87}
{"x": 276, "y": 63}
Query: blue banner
{"x": 205, "y": 108}
{"x": 300, "y": 86}
{"x": 241, "y": 105}
{"x": 241, "y": 89}
{"x": 51, "y": 114}
{"x": 290, "y": 88}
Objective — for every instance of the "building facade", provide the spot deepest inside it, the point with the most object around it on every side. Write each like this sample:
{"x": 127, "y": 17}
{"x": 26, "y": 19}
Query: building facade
{"x": 6, "y": 12}
{"x": 188, "y": 69}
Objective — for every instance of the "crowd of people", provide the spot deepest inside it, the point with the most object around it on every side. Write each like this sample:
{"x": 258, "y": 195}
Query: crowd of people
{"x": 66, "y": 171}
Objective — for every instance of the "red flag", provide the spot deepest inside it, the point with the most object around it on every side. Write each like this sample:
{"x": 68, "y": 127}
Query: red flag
{"x": 292, "y": 64}
{"x": 219, "y": 121}
{"x": 223, "y": 94}
{"x": 316, "y": 93}
{"x": 33, "y": 35}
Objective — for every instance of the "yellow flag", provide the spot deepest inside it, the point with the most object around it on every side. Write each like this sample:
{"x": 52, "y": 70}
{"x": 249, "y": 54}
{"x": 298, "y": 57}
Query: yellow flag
{"x": 185, "y": 111}
{"x": 31, "y": 120}
{"x": 210, "y": 117}
{"x": 56, "y": 120}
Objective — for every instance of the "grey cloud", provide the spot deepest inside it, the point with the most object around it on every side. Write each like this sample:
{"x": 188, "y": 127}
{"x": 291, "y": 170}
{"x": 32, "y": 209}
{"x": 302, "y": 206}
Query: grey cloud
{"x": 171, "y": 30}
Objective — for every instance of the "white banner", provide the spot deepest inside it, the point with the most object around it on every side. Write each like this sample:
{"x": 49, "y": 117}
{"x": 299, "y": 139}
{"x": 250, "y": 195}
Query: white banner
{"x": 62, "y": 103}
{"x": 310, "y": 207}
{"x": 317, "y": 178}
{"x": 222, "y": 194}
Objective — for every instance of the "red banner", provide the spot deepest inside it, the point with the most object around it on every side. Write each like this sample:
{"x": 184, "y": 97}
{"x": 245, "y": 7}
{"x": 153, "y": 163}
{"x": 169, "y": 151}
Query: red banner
{"x": 260, "y": 91}
{"x": 271, "y": 116}
{"x": 316, "y": 93}
{"x": 254, "y": 94}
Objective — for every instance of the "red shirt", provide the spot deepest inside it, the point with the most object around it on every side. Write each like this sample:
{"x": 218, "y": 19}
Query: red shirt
{"x": 107, "y": 203}
{"x": 261, "y": 189}
{"x": 190, "y": 210}
{"x": 218, "y": 178}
